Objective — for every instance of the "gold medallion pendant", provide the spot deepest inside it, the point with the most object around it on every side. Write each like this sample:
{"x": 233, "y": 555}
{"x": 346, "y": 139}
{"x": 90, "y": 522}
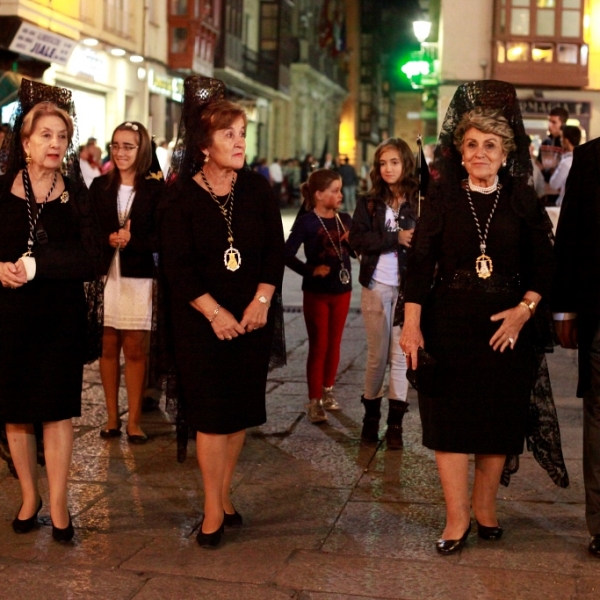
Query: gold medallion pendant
{"x": 232, "y": 259}
{"x": 483, "y": 266}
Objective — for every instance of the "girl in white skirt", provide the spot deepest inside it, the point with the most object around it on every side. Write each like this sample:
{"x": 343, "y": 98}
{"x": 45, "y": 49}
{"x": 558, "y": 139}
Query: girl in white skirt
{"x": 125, "y": 200}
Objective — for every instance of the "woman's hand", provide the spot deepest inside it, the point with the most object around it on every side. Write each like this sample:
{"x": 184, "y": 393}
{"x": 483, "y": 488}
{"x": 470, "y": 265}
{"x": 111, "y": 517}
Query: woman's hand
{"x": 321, "y": 271}
{"x": 226, "y": 326}
{"x": 411, "y": 340}
{"x": 507, "y": 334}
{"x": 255, "y": 316}
{"x": 120, "y": 238}
{"x": 405, "y": 237}
{"x": 12, "y": 275}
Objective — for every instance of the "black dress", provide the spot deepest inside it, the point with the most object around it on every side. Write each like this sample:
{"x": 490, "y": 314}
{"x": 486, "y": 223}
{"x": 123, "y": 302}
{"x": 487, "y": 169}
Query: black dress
{"x": 480, "y": 397}
{"x": 43, "y": 323}
{"x": 223, "y": 382}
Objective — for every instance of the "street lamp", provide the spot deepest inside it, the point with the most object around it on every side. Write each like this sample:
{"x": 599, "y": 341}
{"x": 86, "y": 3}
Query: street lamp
{"x": 422, "y": 30}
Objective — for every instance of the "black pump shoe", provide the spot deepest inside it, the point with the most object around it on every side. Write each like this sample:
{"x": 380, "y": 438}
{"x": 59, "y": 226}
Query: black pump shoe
{"x": 235, "y": 520}
{"x": 451, "y": 546}
{"x": 26, "y": 525}
{"x": 210, "y": 540}
{"x": 489, "y": 533}
{"x": 109, "y": 433}
{"x": 63, "y": 535}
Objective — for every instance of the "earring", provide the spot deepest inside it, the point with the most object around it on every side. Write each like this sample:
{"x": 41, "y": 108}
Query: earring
{"x": 462, "y": 162}
{"x": 504, "y": 163}
{"x": 27, "y": 158}
{"x": 206, "y": 159}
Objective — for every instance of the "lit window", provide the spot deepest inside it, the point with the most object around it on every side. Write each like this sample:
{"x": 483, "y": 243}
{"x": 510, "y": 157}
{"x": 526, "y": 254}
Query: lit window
{"x": 501, "y": 52}
{"x": 517, "y": 51}
{"x": 567, "y": 53}
{"x": 542, "y": 52}
{"x": 546, "y": 3}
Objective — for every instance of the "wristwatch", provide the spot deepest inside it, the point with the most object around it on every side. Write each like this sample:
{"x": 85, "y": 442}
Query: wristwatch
{"x": 263, "y": 299}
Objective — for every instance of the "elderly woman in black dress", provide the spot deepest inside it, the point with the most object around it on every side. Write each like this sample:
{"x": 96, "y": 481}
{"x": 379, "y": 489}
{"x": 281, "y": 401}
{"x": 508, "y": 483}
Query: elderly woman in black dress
{"x": 483, "y": 228}
{"x": 47, "y": 246}
{"x": 222, "y": 252}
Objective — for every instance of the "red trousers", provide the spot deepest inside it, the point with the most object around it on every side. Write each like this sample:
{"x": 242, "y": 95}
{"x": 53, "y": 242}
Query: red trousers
{"x": 325, "y": 317}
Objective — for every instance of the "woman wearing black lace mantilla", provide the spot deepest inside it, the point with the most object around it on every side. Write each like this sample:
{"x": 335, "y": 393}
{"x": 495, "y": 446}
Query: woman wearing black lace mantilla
{"x": 222, "y": 254}
{"x": 49, "y": 246}
{"x": 483, "y": 229}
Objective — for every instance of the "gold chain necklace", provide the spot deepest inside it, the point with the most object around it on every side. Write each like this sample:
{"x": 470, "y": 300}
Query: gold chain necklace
{"x": 232, "y": 257}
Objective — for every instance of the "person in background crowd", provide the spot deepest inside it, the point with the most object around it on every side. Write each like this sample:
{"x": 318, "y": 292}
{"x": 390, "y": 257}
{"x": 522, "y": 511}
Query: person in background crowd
{"x": 349, "y": 181}
{"x": 276, "y": 177}
{"x": 382, "y": 229}
{"x": 125, "y": 201}
{"x": 537, "y": 179}
{"x": 576, "y": 307}
{"x": 571, "y": 137}
{"x": 263, "y": 169}
{"x": 292, "y": 179}
{"x": 326, "y": 283}
{"x": 307, "y": 167}
{"x": 551, "y": 149}
{"x": 89, "y": 167}
{"x": 49, "y": 246}
{"x": 163, "y": 155}
{"x": 484, "y": 239}
{"x": 222, "y": 254}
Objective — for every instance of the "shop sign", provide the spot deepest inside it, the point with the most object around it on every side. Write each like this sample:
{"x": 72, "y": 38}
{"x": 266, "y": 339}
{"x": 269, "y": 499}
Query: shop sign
{"x": 172, "y": 87}
{"x": 86, "y": 61}
{"x": 42, "y": 44}
{"x": 543, "y": 107}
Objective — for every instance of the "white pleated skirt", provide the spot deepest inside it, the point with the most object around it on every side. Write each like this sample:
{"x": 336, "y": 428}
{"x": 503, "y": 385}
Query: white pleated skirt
{"x": 127, "y": 300}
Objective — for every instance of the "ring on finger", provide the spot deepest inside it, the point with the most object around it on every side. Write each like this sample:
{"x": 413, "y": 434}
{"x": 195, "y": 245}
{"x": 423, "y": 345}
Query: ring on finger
{"x": 228, "y": 338}
{"x": 511, "y": 340}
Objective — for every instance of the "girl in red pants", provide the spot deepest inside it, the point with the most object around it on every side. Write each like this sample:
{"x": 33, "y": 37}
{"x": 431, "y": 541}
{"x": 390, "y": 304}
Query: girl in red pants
{"x": 327, "y": 283}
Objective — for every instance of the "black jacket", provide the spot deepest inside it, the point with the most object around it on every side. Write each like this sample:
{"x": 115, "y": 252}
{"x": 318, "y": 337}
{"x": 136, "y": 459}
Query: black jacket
{"x": 136, "y": 258}
{"x": 577, "y": 249}
{"x": 369, "y": 238}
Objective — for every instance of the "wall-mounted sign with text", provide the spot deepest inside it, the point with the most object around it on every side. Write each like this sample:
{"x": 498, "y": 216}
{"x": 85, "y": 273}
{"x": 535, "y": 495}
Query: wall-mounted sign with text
{"x": 42, "y": 44}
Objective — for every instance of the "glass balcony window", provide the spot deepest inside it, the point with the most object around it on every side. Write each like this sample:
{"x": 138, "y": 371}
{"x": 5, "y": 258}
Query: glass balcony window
{"x": 517, "y": 52}
{"x": 571, "y": 23}
{"x": 179, "y": 37}
{"x": 542, "y": 52}
{"x": 567, "y": 53}
{"x": 545, "y": 22}
{"x": 519, "y": 21}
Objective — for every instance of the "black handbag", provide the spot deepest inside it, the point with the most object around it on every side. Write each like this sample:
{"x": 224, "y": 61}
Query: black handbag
{"x": 422, "y": 378}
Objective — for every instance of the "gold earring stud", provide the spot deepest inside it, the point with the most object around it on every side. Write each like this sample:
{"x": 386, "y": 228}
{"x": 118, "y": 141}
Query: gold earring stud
{"x": 27, "y": 158}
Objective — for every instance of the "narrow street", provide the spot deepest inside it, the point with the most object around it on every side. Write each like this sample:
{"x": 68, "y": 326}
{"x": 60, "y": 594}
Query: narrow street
{"x": 325, "y": 517}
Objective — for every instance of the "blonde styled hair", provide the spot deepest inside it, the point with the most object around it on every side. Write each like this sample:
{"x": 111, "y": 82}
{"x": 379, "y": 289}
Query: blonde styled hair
{"x": 45, "y": 109}
{"x": 485, "y": 120}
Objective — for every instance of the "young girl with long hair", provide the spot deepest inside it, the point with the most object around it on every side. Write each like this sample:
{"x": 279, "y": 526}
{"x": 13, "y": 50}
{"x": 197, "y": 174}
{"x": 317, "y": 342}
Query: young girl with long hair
{"x": 125, "y": 200}
{"x": 382, "y": 228}
{"x": 327, "y": 283}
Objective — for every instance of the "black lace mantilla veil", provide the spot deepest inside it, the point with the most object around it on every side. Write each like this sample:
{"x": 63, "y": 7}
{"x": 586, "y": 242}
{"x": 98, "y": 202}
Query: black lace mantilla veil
{"x": 198, "y": 93}
{"x": 543, "y": 432}
{"x": 30, "y": 94}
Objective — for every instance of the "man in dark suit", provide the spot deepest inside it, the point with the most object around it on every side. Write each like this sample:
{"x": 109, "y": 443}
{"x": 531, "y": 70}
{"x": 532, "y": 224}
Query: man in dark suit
{"x": 576, "y": 306}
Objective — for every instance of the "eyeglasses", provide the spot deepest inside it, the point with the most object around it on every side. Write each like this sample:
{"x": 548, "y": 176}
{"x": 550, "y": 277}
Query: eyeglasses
{"x": 127, "y": 148}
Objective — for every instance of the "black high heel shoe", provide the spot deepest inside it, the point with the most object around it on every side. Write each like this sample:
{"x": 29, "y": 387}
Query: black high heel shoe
{"x": 210, "y": 540}
{"x": 26, "y": 525}
{"x": 63, "y": 535}
{"x": 235, "y": 520}
{"x": 451, "y": 546}
{"x": 492, "y": 534}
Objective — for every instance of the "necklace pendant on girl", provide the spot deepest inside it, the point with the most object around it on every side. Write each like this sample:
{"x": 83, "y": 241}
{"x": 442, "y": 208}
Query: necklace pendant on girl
{"x": 232, "y": 259}
{"x": 344, "y": 275}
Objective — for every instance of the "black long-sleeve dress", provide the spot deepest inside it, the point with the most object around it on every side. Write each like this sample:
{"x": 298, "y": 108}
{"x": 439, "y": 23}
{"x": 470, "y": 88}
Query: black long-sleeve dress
{"x": 223, "y": 382}
{"x": 43, "y": 323}
{"x": 480, "y": 397}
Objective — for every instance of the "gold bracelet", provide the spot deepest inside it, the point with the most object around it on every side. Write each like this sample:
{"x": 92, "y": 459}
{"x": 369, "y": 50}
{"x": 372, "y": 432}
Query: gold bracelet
{"x": 215, "y": 313}
{"x": 530, "y": 305}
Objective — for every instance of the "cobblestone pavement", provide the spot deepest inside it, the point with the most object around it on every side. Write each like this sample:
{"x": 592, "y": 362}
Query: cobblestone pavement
{"x": 325, "y": 517}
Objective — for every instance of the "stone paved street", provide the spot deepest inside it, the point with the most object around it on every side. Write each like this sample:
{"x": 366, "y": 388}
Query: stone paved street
{"x": 325, "y": 517}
